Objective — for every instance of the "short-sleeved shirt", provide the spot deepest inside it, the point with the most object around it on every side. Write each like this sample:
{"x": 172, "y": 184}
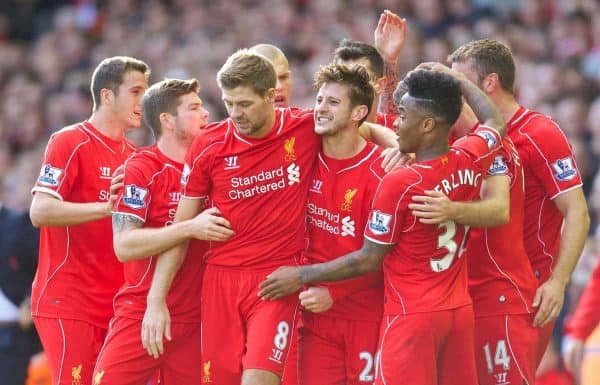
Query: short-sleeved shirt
{"x": 259, "y": 185}
{"x": 425, "y": 270}
{"x": 550, "y": 170}
{"x": 151, "y": 193}
{"x": 78, "y": 273}
{"x": 501, "y": 280}
{"x": 338, "y": 208}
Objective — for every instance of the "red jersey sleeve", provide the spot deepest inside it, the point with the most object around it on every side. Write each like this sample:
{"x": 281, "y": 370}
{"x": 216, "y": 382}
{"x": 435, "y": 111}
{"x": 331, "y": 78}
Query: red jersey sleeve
{"x": 389, "y": 208}
{"x": 134, "y": 199}
{"x": 587, "y": 314}
{"x": 481, "y": 145}
{"x": 500, "y": 164}
{"x": 551, "y": 156}
{"x": 60, "y": 167}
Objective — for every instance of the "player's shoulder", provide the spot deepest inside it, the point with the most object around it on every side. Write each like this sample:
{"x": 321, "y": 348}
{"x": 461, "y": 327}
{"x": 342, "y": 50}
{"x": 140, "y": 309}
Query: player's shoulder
{"x": 211, "y": 135}
{"x": 404, "y": 176}
{"x": 70, "y": 135}
{"x": 143, "y": 162}
{"x": 374, "y": 160}
{"x": 537, "y": 125}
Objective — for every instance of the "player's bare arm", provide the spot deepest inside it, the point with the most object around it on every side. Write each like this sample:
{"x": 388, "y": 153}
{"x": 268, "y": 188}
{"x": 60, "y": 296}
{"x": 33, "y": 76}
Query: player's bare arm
{"x": 389, "y": 37}
{"x": 550, "y": 295}
{"x": 492, "y": 210}
{"x": 157, "y": 321}
{"x": 47, "y": 210}
{"x": 380, "y": 135}
{"x": 131, "y": 241}
{"x": 287, "y": 280}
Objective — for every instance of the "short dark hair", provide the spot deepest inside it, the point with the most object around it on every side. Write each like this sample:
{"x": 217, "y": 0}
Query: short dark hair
{"x": 356, "y": 78}
{"x": 109, "y": 74}
{"x": 164, "y": 97}
{"x": 436, "y": 92}
{"x": 349, "y": 49}
{"x": 488, "y": 56}
{"x": 245, "y": 68}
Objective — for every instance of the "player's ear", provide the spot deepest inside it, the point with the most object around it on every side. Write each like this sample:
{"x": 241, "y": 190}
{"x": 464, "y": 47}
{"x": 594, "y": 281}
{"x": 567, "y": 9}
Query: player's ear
{"x": 270, "y": 95}
{"x": 428, "y": 124}
{"x": 106, "y": 97}
{"x": 491, "y": 83}
{"x": 167, "y": 121}
{"x": 359, "y": 112}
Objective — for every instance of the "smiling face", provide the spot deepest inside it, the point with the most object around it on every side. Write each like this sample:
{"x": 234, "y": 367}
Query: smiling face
{"x": 126, "y": 103}
{"x": 191, "y": 117}
{"x": 251, "y": 113}
{"x": 332, "y": 109}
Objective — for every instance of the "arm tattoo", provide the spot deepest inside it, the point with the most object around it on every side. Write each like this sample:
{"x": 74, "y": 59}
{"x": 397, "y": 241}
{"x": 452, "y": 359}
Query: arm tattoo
{"x": 363, "y": 261}
{"x": 387, "y": 105}
{"x": 121, "y": 222}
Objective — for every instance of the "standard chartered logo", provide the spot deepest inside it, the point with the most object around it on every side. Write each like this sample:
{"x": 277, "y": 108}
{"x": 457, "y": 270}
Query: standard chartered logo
{"x": 293, "y": 171}
{"x": 348, "y": 227}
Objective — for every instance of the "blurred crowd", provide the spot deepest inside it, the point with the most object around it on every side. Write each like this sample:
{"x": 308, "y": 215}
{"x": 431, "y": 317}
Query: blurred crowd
{"x": 49, "y": 48}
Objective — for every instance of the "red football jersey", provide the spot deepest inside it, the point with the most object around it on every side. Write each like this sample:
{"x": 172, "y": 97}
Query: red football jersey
{"x": 338, "y": 208}
{"x": 386, "y": 120}
{"x": 425, "y": 271}
{"x": 550, "y": 170}
{"x": 151, "y": 192}
{"x": 501, "y": 280}
{"x": 259, "y": 185}
{"x": 78, "y": 273}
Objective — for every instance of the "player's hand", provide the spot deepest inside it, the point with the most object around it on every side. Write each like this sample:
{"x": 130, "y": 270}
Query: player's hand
{"x": 548, "y": 299}
{"x": 432, "y": 208}
{"x": 156, "y": 324}
{"x": 209, "y": 225}
{"x": 316, "y": 299}
{"x": 439, "y": 67}
{"x": 283, "y": 281}
{"x": 393, "y": 158}
{"x": 390, "y": 36}
{"x": 572, "y": 353}
{"x": 116, "y": 183}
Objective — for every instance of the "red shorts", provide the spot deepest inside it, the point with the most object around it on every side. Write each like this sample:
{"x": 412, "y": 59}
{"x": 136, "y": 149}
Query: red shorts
{"x": 71, "y": 348}
{"x": 290, "y": 370}
{"x": 505, "y": 349}
{"x": 241, "y": 331}
{"x": 434, "y": 348}
{"x": 124, "y": 361}
{"x": 335, "y": 351}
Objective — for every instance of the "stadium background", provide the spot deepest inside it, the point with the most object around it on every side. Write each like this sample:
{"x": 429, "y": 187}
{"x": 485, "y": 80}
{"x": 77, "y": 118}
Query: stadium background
{"x": 49, "y": 48}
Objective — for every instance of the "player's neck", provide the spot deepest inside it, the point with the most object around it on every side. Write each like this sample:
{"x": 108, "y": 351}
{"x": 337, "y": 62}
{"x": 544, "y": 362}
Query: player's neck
{"x": 344, "y": 145}
{"x": 266, "y": 129}
{"x": 506, "y": 104}
{"x": 108, "y": 124}
{"x": 172, "y": 148}
{"x": 432, "y": 151}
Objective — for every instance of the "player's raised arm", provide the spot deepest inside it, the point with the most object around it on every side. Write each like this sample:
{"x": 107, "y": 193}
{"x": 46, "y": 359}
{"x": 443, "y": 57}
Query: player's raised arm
{"x": 389, "y": 38}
